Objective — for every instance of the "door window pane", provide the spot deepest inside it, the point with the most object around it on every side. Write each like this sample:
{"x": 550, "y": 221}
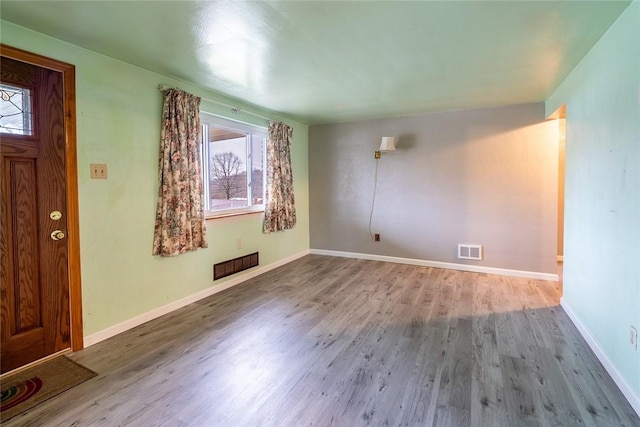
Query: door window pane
{"x": 15, "y": 110}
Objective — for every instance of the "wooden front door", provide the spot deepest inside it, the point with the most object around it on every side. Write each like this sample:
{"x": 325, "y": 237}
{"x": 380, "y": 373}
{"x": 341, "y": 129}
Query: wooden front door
{"x": 33, "y": 214}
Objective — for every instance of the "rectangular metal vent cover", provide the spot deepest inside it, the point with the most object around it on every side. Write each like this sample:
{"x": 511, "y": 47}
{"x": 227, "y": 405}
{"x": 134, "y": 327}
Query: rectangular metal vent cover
{"x": 466, "y": 251}
{"x": 233, "y": 266}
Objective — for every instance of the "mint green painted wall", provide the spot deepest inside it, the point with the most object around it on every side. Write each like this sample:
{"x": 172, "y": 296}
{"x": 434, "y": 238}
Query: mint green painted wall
{"x": 602, "y": 211}
{"x": 118, "y": 117}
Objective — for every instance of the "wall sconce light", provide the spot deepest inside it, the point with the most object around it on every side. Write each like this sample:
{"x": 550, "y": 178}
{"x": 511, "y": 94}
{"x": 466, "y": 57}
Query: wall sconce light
{"x": 387, "y": 145}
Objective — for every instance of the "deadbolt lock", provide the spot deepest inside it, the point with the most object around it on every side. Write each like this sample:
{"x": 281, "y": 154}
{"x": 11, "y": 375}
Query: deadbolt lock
{"x": 55, "y": 215}
{"x": 57, "y": 235}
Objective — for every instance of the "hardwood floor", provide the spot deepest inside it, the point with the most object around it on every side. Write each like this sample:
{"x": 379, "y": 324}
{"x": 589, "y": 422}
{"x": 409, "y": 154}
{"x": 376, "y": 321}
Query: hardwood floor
{"x": 332, "y": 341}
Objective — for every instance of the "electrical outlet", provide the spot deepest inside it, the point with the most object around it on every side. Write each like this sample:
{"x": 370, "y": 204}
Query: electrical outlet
{"x": 98, "y": 170}
{"x": 633, "y": 337}
{"x": 376, "y": 237}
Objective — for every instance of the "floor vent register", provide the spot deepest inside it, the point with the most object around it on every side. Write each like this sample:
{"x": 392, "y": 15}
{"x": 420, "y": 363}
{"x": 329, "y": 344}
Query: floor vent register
{"x": 236, "y": 265}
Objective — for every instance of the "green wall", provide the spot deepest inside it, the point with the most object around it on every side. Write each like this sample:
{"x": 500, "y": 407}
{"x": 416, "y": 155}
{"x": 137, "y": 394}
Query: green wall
{"x": 118, "y": 118}
{"x": 602, "y": 212}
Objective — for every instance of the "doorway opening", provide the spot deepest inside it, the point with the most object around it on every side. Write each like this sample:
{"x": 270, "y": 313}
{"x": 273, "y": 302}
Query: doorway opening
{"x": 560, "y": 115}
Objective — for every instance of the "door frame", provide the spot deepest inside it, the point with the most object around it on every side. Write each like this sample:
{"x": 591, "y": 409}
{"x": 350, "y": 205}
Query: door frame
{"x": 71, "y": 174}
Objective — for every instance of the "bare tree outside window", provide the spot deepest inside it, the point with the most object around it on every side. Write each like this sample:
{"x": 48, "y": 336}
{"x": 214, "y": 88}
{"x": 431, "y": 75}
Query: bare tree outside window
{"x": 227, "y": 176}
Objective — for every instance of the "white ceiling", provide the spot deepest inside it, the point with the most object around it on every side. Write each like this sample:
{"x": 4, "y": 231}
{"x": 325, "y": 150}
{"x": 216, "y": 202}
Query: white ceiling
{"x": 320, "y": 62}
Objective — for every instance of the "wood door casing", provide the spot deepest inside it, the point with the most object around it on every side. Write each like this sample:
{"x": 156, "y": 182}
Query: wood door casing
{"x": 70, "y": 332}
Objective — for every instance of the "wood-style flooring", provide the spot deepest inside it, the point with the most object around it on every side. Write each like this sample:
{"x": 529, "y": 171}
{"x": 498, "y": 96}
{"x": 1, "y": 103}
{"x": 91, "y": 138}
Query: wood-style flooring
{"x": 328, "y": 341}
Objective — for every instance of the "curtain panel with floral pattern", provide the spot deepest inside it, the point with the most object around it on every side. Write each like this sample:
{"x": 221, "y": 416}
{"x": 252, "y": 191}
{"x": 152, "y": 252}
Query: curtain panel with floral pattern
{"x": 280, "y": 209}
{"x": 180, "y": 224}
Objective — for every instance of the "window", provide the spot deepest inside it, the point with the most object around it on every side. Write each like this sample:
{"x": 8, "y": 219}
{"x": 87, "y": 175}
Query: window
{"x": 233, "y": 166}
{"x": 15, "y": 110}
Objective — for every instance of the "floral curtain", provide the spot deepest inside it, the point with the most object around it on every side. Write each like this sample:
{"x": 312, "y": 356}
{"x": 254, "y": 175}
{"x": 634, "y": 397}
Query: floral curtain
{"x": 180, "y": 223}
{"x": 280, "y": 210}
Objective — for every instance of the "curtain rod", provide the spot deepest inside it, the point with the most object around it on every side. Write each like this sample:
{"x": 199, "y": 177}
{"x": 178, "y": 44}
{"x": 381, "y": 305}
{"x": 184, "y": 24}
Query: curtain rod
{"x": 234, "y": 109}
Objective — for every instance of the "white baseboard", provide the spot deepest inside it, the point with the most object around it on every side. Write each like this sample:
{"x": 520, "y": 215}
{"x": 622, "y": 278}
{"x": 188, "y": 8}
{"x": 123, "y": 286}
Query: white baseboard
{"x": 624, "y": 387}
{"x": 438, "y": 264}
{"x": 168, "y": 308}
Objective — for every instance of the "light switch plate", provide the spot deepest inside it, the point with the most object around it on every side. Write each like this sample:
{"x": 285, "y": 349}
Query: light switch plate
{"x": 98, "y": 170}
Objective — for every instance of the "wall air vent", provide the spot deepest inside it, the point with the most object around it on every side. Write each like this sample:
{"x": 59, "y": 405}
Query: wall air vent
{"x": 466, "y": 251}
{"x": 233, "y": 266}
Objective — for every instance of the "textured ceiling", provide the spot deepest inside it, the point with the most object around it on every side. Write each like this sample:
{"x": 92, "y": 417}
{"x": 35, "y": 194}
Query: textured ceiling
{"x": 322, "y": 62}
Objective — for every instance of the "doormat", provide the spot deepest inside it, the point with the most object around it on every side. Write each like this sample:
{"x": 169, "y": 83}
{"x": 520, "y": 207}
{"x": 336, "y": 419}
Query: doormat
{"x": 32, "y": 386}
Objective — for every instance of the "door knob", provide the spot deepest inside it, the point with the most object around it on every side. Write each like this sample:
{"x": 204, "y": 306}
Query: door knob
{"x": 57, "y": 235}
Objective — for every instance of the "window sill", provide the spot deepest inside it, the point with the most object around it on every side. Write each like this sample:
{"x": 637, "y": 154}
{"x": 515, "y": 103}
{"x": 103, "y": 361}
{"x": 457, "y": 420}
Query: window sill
{"x": 237, "y": 212}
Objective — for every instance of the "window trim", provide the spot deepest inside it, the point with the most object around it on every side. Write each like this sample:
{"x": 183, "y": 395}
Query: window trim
{"x": 210, "y": 119}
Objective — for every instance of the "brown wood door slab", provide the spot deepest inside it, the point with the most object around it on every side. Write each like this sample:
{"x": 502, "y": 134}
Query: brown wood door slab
{"x": 34, "y": 277}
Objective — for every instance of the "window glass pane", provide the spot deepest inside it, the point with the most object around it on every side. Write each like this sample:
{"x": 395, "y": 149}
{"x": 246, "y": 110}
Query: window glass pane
{"x": 233, "y": 156}
{"x": 15, "y": 110}
{"x": 227, "y": 169}
{"x": 257, "y": 173}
